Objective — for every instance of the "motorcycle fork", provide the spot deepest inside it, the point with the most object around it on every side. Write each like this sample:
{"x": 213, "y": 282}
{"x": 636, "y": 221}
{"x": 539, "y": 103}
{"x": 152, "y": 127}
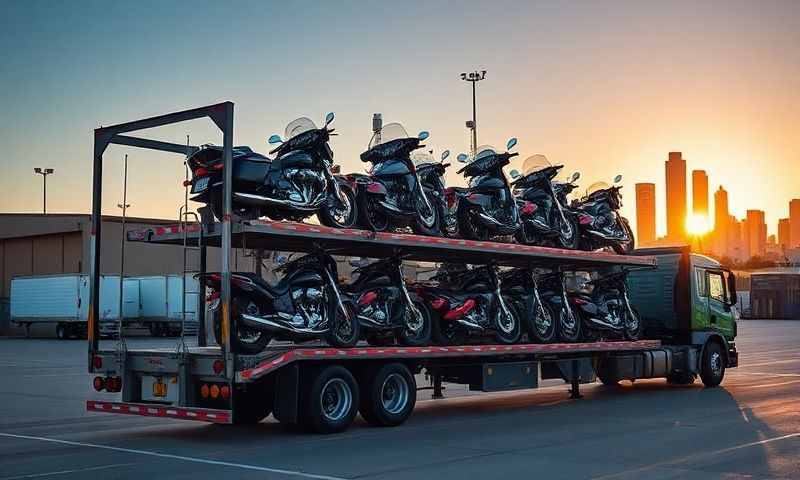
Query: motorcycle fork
{"x": 558, "y": 205}
{"x": 414, "y": 310}
{"x": 497, "y": 292}
{"x": 565, "y": 299}
{"x": 335, "y": 288}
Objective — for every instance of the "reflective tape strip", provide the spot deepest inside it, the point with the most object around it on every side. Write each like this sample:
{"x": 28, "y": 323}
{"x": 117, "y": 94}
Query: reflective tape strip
{"x": 207, "y": 415}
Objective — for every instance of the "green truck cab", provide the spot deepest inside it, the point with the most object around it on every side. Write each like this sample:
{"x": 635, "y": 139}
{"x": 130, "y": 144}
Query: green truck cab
{"x": 688, "y": 300}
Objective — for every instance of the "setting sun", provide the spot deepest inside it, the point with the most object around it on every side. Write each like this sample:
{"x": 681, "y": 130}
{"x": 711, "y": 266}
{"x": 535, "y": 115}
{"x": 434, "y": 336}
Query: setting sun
{"x": 697, "y": 224}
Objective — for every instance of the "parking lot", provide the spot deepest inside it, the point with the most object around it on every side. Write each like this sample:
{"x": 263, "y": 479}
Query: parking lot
{"x": 749, "y": 428}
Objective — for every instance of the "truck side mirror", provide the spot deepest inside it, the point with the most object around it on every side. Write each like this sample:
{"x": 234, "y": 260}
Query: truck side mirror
{"x": 732, "y": 296}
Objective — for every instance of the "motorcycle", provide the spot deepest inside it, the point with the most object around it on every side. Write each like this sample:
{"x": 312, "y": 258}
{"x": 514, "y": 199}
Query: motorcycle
{"x": 431, "y": 175}
{"x": 469, "y": 302}
{"x": 521, "y": 287}
{"x": 306, "y": 304}
{"x": 599, "y": 221}
{"x": 301, "y": 181}
{"x": 391, "y": 195}
{"x": 546, "y": 219}
{"x": 604, "y": 307}
{"x": 385, "y": 308}
{"x": 487, "y": 207}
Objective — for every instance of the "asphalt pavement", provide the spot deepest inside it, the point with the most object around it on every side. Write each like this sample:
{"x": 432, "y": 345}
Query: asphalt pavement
{"x": 748, "y": 428}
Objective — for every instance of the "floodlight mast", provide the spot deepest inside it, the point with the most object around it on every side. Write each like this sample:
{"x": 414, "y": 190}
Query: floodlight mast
{"x": 473, "y": 78}
{"x": 44, "y": 172}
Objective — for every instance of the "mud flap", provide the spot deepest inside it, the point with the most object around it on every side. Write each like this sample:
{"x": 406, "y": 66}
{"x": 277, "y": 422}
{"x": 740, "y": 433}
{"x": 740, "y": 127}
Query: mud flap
{"x": 287, "y": 387}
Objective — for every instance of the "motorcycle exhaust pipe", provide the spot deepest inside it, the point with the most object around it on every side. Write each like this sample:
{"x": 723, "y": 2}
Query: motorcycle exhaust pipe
{"x": 470, "y": 325}
{"x": 270, "y": 324}
{"x": 261, "y": 200}
{"x": 605, "y": 325}
{"x": 372, "y": 323}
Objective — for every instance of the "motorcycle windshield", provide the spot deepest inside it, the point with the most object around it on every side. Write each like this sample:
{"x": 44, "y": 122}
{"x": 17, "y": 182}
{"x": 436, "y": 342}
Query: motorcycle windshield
{"x": 421, "y": 158}
{"x": 389, "y": 132}
{"x": 484, "y": 151}
{"x": 596, "y": 187}
{"x": 535, "y": 163}
{"x": 296, "y": 127}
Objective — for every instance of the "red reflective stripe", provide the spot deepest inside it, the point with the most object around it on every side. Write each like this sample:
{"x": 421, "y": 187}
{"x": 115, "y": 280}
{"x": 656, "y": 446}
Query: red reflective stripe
{"x": 206, "y": 415}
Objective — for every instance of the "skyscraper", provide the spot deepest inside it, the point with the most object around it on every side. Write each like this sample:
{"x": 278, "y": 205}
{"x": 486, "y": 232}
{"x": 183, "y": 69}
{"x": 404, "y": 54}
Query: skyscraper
{"x": 721, "y": 222}
{"x": 794, "y": 221}
{"x": 675, "y": 169}
{"x": 784, "y": 233}
{"x": 756, "y": 232}
{"x": 645, "y": 213}
{"x": 700, "y": 193}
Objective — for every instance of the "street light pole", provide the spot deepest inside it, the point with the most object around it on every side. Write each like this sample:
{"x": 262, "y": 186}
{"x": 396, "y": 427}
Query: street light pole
{"x": 124, "y": 206}
{"x": 44, "y": 172}
{"x": 473, "y": 78}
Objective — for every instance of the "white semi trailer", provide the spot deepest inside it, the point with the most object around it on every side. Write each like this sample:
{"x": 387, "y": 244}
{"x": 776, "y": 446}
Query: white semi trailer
{"x": 150, "y": 302}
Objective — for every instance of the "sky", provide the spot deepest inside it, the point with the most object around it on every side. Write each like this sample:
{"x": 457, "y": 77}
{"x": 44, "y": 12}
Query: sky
{"x": 601, "y": 87}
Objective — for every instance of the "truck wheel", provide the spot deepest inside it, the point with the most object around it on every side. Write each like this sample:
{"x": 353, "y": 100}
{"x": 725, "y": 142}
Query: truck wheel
{"x": 712, "y": 370}
{"x": 389, "y": 394}
{"x": 61, "y": 331}
{"x": 330, "y": 400}
{"x": 253, "y": 405}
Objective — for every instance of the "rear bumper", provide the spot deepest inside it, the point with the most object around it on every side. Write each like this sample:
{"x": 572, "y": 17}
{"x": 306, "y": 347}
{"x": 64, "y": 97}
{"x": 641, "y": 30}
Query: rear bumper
{"x": 163, "y": 411}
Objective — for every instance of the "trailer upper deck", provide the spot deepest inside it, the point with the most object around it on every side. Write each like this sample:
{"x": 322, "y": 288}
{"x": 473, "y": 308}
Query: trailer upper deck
{"x": 304, "y": 237}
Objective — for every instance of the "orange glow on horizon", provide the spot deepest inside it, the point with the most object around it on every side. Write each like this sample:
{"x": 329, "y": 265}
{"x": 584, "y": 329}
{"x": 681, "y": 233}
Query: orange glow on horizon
{"x": 697, "y": 225}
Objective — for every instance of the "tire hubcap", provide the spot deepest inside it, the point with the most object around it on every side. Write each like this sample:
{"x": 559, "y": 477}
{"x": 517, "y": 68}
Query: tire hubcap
{"x": 394, "y": 393}
{"x": 506, "y": 321}
{"x": 543, "y": 321}
{"x": 336, "y": 399}
{"x": 715, "y": 364}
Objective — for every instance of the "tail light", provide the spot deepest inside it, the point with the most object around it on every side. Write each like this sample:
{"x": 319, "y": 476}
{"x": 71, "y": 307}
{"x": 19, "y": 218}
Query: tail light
{"x": 201, "y": 172}
{"x": 374, "y": 187}
{"x": 585, "y": 220}
{"x": 114, "y": 384}
{"x": 99, "y": 384}
{"x": 214, "y": 391}
{"x": 97, "y": 362}
{"x": 204, "y": 391}
{"x": 225, "y": 392}
{"x": 367, "y": 298}
{"x": 528, "y": 208}
{"x": 460, "y": 311}
{"x": 438, "y": 303}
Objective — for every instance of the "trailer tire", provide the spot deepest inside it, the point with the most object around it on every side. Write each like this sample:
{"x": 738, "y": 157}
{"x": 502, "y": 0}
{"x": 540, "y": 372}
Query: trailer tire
{"x": 389, "y": 394}
{"x": 329, "y": 400}
{"x": 712, "y": 370}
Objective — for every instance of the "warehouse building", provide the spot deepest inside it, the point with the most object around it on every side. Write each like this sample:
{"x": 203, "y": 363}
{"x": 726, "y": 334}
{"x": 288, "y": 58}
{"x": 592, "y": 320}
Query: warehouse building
{"x": 775, "y": 295}
{"x": 46, "y": 244}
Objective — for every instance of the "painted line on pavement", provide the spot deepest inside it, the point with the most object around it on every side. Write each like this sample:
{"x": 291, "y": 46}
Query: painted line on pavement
{"x": 66, "y": 472}
{"x": 696, "y": 456}
{"x": 765, "y": 374}
{"x": 766, "y": 385}
{"x": 175, "y": 457}
{"x": 764, "y": 364}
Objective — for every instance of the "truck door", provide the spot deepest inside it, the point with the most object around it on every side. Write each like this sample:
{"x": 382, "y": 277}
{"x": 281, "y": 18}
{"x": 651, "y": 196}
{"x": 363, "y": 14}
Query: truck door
{"x": 720, "y": 316}
{"x": 700, "y": 318}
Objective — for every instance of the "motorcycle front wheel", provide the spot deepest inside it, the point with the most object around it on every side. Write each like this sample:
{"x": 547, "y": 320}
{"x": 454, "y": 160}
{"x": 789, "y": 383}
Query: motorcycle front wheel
{"x": 415, "y": 332}
{"x": 508, "y": 327}
{"x": 569, "y": 326}
{"x": 569, "y": 237}
{"x": 343, "y": 332}
{"x": 542, "y": 324}
{"x": 428, "y": 220}
{"x": 334, "y": 216}
{"x": 633, "y": 326}
{"x": 625, "y": 248}
{"x": 371, "y": 216}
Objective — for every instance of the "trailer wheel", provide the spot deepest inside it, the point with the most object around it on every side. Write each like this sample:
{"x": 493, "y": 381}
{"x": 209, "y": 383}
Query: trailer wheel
{"x": 712, "y": 371}
{"x": 330, "y": 400}
{"x": 389, "y": 394}
{"x": 61, "y": 331}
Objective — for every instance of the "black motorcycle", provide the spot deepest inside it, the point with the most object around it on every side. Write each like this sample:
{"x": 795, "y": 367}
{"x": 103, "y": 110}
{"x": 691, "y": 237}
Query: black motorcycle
{"x": 306, "y": 304}
{"x": 487, "y": 207}
{"x": 385, "y": 308}
{"x": 521, "y": 287}
{"x": 431, "y": 175}
{"x": 599, "y": 221}
{"x": 553, "y": 292}
{"x": 546, "y": 219}
{"x": 300, "y": 182}
{"x": 469, "y": 303}
{"x": 392, "y": 195}
{"x": 604, "y": 308}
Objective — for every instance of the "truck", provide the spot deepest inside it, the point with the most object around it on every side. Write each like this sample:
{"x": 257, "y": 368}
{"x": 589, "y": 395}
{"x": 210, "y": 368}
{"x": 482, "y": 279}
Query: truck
{"x": 324, "y": 388}
{"x": 149, "y": 302}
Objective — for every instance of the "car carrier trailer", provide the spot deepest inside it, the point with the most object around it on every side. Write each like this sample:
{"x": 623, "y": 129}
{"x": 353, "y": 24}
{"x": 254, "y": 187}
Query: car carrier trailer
{"x": 323, "y": 387}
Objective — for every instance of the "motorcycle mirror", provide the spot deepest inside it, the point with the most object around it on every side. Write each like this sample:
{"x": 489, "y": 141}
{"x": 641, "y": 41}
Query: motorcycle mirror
{"x": 576, "y": 176}
{"x": 618, "y": 179}
{"x": 275, "y": 139}
{"x": 445, "y": 154}
{"x": 462, "y": 157}
{"x": 329, "y": 118}
{"x": 514, "y": 174}
{"x": 511, "y": 142}
{"x": 423, "y": 135}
